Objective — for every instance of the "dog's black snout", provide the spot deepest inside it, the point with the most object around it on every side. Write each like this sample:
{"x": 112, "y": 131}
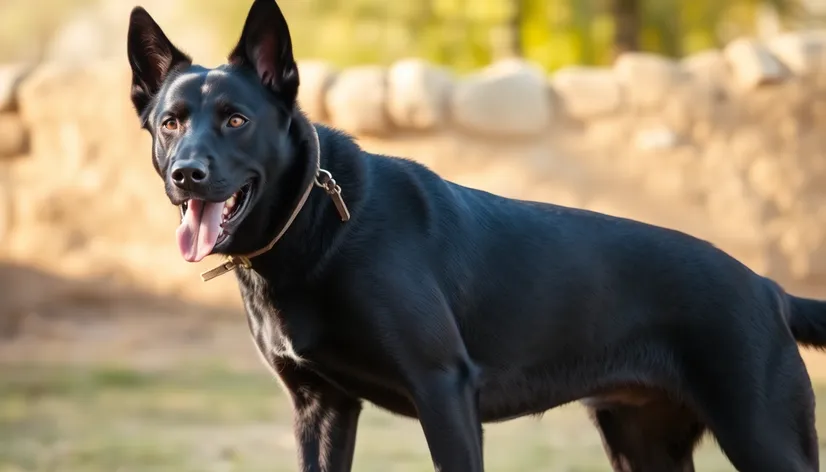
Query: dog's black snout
{"x": 189, "y": 174}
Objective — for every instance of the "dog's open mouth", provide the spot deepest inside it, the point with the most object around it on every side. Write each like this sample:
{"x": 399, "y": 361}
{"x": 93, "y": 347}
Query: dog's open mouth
{"x": 204, "y": 225}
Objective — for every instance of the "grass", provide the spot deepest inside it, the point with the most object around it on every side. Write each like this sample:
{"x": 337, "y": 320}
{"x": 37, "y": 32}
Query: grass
{"x": 196, "y": 418}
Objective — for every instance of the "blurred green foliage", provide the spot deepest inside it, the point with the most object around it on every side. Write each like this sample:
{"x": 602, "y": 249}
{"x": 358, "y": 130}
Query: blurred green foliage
{"x": 462, "y": 34}
{"x": 466, "y": 34}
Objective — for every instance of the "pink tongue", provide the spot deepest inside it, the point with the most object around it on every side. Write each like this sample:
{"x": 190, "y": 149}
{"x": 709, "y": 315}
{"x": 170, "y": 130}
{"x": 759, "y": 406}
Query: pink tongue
{"x": 200, "y": 229}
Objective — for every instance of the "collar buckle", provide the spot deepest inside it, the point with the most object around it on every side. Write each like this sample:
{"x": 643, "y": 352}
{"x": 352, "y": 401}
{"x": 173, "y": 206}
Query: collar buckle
{"x": 232, "y": 263}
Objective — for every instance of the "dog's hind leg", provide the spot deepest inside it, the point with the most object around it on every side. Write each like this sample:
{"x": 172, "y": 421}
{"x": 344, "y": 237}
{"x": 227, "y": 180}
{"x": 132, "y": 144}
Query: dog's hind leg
{"x": 762, "y": 411}
{"x": 657, "y": 437}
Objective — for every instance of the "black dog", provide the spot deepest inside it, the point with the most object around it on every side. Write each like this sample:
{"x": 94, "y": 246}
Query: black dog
{"x": 455, "y": 306}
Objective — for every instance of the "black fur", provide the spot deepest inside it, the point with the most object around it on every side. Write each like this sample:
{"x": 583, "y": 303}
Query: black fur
{"x": 458, "y": 307}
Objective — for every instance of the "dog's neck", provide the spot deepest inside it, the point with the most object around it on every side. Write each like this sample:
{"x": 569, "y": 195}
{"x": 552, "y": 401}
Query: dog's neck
{"x": 317, "y": 231}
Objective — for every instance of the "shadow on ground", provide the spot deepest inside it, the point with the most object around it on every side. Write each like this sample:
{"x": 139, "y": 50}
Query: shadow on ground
{"x": 27, "y": 291}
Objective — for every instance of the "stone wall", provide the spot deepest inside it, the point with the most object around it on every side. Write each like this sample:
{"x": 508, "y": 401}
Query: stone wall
{"x": 726, "y": 144}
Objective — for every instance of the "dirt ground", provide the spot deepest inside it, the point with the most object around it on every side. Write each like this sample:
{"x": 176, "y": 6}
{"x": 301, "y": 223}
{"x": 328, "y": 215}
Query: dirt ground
{"x": 108, "y": 380}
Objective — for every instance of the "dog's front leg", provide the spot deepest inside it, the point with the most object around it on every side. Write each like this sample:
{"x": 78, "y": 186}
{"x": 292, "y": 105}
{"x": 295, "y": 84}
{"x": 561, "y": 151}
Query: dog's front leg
{"x": 325, "y": 420}
{"x": 447, "y": 405}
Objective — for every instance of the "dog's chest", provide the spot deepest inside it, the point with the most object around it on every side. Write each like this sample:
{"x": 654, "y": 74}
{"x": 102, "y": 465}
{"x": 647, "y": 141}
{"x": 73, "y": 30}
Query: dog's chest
{"x": 298, "y": 328}
{"x": 274, "y": 335}
{"x": 271, "y": 336}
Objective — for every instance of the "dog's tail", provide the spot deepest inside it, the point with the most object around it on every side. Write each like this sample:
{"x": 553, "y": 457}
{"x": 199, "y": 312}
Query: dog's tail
{"x": 807, "y": 320}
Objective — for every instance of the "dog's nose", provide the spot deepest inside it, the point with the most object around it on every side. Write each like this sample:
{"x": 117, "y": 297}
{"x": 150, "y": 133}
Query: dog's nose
{"x": 189, "y": 174}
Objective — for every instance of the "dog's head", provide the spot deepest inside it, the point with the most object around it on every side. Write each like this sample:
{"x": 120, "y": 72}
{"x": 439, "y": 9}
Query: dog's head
{"x": 221, "y": 137}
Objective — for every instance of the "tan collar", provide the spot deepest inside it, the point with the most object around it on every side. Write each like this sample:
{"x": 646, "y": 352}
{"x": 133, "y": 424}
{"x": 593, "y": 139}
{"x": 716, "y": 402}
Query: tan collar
{"x": 320, "y": 178}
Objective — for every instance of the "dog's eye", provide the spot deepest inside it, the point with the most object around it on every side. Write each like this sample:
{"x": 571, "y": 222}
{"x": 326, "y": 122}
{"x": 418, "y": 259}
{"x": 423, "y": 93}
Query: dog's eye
{"x": 236, "y": 121}
{"x": 170, "y": 124}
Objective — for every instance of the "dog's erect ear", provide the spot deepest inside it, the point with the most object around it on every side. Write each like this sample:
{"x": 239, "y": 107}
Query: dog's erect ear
{"x": 265, "y": 45}
{"x": 151, "y": 55}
